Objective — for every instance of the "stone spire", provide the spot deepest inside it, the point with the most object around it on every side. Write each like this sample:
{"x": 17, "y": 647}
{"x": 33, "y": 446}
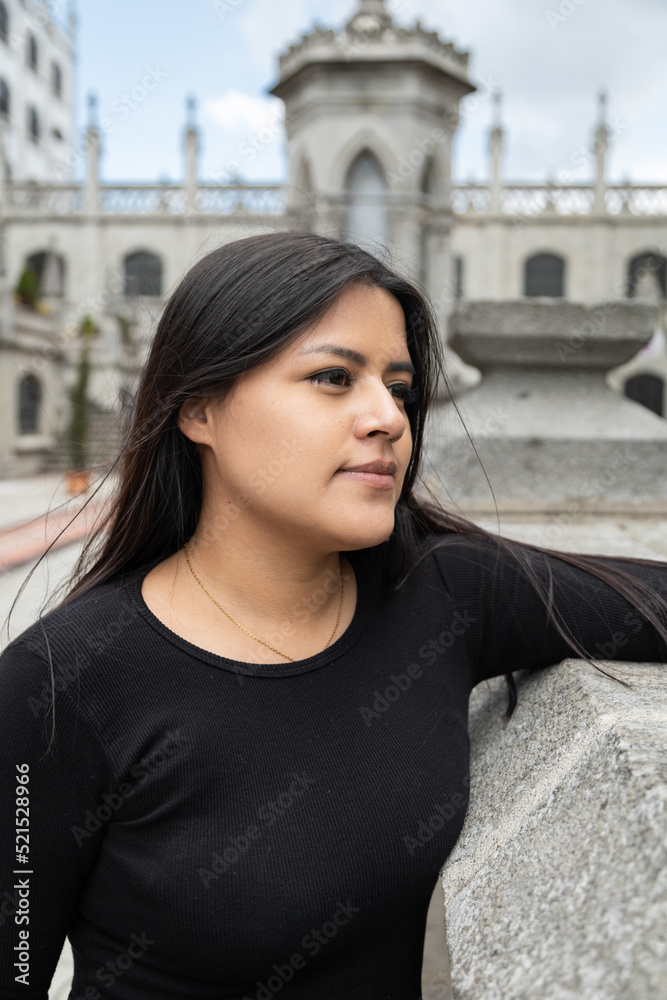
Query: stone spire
{"x": 600, "y": 148}
{"x": 496, "y": 153}
{"x": 191, "y": 152}
{"x": 93, "y": 157}
{"x": 371, "y": 18}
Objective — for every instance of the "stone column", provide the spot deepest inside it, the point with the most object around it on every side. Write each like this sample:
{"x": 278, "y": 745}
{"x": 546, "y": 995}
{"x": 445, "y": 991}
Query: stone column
{"x": 557, "y": 886}
{"x": 551, "y": 434}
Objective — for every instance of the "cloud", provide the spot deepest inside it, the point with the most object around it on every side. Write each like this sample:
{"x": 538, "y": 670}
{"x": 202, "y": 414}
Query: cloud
{"x": 249, "y": 140}
{"x": 550, "y": 78}
{"x": 269, "y": 28}
{"x": 239, "y": 112}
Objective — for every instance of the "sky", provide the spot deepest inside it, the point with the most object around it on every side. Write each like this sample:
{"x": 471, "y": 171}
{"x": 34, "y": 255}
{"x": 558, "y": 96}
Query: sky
{"x": 550, "y": 59}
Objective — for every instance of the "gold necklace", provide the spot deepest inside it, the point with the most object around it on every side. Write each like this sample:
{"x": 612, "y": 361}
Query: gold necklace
{"x": 272, "y": 648}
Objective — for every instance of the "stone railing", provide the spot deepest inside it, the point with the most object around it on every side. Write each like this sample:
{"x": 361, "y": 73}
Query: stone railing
{"x": 572, "y": 199}
{"x": 471, "y": 200}
{"x": 145, "y": 199}
{"x": 557, "y": 885}
{"x": 44, "y": 199}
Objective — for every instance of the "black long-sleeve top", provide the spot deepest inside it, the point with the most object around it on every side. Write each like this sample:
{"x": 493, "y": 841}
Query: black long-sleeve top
{"x": 204, "y": 828}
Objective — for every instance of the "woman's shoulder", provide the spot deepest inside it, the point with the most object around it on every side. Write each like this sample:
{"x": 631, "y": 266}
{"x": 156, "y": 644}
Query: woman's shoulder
{"x": 454, "y": 548}
{"x": 472, "y": 566}
{"x": 86, "y": 622}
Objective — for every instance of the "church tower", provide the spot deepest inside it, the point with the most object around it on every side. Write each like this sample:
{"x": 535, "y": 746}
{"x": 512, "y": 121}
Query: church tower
{"x": 370, "y": 114}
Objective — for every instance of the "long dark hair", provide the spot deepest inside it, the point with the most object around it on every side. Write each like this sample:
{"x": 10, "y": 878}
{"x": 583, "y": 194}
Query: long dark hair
{"x": 236, "y": 309}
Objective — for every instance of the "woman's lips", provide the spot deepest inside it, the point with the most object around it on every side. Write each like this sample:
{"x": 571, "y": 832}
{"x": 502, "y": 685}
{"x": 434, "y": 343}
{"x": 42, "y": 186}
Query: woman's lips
{"x": 382, "y": 482}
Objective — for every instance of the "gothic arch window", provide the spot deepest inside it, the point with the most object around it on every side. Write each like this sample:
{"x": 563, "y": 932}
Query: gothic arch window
{"x": 33, "y": 53}
{"x": 647, "y": 389}
{"x": 30, "y": 400}
{"x": 143, "y": 274}
{"x": 5, "y": 98}
{"x": 647, "y": 276}
{"x": 4, "y": 23}
{"x": 366, "y": 189}
{"x": 544, "y": 274}
{"x": 34, "y": 129}
{"x": 50, "y": 270}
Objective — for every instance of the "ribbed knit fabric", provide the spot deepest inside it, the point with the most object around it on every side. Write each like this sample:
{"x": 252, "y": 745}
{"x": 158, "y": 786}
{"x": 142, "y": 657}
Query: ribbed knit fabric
{"x": 206, "y": 829}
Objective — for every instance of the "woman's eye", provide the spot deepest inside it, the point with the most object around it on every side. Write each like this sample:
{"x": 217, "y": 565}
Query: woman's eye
{"x": 331, "y": 377}
{"x": 406, "y": 393}
{"x": 341, "y": 378}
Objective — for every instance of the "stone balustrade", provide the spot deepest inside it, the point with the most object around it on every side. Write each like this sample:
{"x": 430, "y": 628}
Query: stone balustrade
{"x": 530, "y": 200}
{"x": 144, "y": 199}
{"x": 519, "y": 201}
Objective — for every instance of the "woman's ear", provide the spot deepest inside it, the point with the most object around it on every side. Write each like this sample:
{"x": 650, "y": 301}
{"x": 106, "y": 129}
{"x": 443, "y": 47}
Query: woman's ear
{"x": 194, "y": 420}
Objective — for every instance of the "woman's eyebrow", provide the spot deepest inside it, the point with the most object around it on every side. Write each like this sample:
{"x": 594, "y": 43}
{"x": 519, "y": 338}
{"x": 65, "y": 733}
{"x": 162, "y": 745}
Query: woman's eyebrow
{"x": 358, "y": 358}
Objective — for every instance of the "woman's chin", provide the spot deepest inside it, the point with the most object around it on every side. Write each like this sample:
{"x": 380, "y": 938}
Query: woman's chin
{"x": 366, "y": 536}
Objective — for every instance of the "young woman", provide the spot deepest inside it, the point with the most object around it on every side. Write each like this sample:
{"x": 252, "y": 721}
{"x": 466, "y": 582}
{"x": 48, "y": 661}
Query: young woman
{"x": 225, "y": 736}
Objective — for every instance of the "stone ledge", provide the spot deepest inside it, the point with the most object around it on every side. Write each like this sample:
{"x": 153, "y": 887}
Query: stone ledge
{"x": 557, "y": 886}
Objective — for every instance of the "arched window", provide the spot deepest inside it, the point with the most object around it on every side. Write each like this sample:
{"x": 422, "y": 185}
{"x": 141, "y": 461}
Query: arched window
{"x": 544, "y": 275}
{"x": 50, "y": 270}
{"x": 143, "y": 274}
{"x": 56, "y": 79}
{"x": 33, "y": 123}
{"x": 647, "y": 277}
{"x": 4, "y": 23}
{"x": 30, "y": 400}
{"x": 5, "y": 98}
{"x": 366, "y": 222}
{"x": 647, "y": 389}
{"x": 33, "y": 52}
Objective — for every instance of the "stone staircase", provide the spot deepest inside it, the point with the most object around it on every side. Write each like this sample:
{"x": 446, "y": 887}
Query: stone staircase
{"x": 103, "y": 441}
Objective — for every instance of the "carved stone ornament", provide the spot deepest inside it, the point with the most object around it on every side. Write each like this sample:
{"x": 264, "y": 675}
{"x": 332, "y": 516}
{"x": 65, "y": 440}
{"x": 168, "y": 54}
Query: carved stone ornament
{"x": 371, "y": 18}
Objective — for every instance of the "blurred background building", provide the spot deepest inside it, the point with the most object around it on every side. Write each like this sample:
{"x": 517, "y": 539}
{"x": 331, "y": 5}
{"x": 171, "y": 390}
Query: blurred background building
{"x": 370, "y": 113}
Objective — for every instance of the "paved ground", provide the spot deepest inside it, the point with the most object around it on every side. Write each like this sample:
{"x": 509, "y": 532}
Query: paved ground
{"x": 36, "y": 513}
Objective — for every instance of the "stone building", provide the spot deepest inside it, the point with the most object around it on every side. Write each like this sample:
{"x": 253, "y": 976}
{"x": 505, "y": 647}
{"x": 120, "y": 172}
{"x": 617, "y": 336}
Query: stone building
{"x": 37, "y": 90}
{"x": 371, "y": 110}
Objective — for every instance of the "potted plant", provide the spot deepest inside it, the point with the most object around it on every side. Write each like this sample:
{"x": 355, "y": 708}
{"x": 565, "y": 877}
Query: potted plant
{"x": 78, "y": 476}
{"x": 88, "y": 326}
{"x": 27, "y": 289}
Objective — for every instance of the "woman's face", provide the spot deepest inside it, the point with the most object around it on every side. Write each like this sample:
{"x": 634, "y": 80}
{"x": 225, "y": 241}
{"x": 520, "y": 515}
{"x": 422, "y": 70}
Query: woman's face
{"x": 278, "y": 453}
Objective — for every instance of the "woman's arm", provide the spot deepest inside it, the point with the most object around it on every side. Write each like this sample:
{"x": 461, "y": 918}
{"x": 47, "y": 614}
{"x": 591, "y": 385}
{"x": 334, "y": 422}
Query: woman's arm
{"x": 49, "y": 837}
{"x": 512, "y": 629}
